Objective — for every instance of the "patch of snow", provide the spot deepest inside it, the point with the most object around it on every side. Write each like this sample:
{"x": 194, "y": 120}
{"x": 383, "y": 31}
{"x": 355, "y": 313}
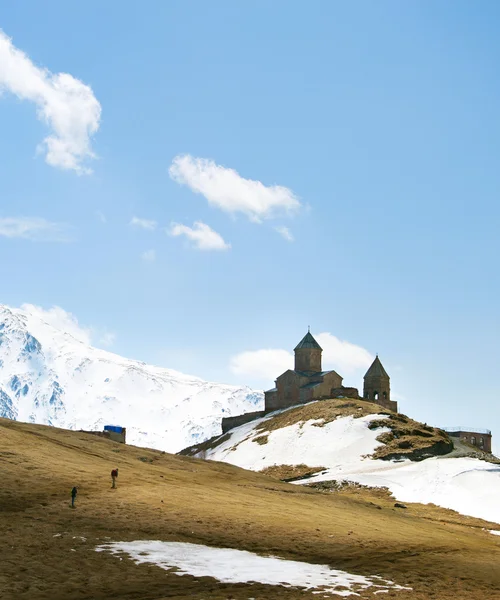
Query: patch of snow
{"x": 228, "y": 565}
{"x": 341, "y": 443}
{"x": 495, "y": 531}
{"x": 467, "y": 485}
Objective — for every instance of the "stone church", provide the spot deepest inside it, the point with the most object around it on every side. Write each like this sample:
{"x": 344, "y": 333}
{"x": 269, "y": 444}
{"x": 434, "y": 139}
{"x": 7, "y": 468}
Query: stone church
{"x": 307, "y": 381}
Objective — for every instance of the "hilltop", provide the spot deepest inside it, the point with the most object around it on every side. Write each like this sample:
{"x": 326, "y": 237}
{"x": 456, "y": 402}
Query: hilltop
{"x": 347, "y": 440}
{"x": 48, "y": 550}
{"x": 48, "y": 376}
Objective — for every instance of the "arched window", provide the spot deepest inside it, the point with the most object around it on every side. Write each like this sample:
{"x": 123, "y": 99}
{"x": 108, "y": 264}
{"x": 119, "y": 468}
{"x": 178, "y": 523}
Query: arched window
{"x": 385, "y": 395}
{"x": 367, "y": 395}
{"x": 473, "y": 440}
{"x": 375, "y": 395}
{"x": 481, "y": 441}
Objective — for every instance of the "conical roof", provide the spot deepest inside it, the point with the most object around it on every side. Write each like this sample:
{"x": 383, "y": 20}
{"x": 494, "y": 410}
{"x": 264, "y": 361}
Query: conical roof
{"x": 376, "y": 370}
{"x": 308, "y": 342}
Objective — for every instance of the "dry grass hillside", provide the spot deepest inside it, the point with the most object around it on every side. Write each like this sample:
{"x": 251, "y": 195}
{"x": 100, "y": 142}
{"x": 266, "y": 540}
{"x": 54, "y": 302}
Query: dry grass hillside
{"x": 47, "y": 549}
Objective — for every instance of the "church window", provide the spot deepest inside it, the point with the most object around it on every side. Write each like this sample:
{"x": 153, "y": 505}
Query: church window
{"x": 375, "y": 395}
{"x": 385, "y": 395}
{"x": 473, "y": 440}
{"x": 367, "y": 395}
{"x": 481, "y": 441}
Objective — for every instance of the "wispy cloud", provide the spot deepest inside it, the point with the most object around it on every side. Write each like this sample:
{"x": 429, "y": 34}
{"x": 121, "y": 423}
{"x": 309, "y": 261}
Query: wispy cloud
{"x": 285, "y": 233}
{"x": 143, "y": 223}
{"x": 149, "y": 255}
{"x": 35, "y": 229}
{"x": 225, "y": 189}
{"x": 64, "y": 103}
{"x": 202, "y": 236}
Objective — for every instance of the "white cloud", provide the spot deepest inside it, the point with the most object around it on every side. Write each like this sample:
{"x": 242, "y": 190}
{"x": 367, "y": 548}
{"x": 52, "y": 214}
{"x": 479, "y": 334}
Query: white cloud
{"x": 203, "y": 237}
{"x": 262, "y": 365}
{"x": 143, "y": 223}
{"x": 68, "y": 323}
{"x": 34, "y": 228}
{"x": 285, "y": 232}
{"x": 224, "y": 188}
{"x": 149, "y": 255}
{"x": 64, "y": 103}
{"x": 344, "y": 357}
{"x": 265, "y": 365}
{"x": 62, "y": 320}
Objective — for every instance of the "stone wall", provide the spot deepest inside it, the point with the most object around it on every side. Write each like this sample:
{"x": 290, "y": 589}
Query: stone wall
{"x": 271, "y": 400}
{"x": 474, "y": 438}
{"x": 388, "y": 404}
{"x": 232, "y": 422}
{"x": 328, "y": 381}
{"x": 288, "y": 385}
{"x": 344, "y": 392}
{"x": 308, "y": 359}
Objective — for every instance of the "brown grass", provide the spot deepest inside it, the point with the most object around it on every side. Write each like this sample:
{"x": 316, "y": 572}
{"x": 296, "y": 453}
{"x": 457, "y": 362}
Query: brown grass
{"x": 409, "y": 439}
{"x": 290, "y": 472}
{"x": 383, "y": 497}
{"x": 213, "y": 442}
{"x": 47, "y": 550}
{"x": 324, "y": 411}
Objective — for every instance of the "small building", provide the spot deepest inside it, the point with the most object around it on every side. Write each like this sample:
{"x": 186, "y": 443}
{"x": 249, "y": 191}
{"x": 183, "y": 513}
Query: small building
{"x": 115, "y": 433}
{"x": 481, "y": 438}
{"x": 110, "y": 432}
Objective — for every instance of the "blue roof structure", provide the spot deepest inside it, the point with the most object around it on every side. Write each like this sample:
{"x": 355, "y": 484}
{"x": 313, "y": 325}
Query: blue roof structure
{"x": 114, "y": 428}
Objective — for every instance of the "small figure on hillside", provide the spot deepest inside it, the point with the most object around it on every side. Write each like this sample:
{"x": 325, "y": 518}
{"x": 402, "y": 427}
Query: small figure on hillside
{"x": 114, "y": 477}
{"x": 74, "y": 492}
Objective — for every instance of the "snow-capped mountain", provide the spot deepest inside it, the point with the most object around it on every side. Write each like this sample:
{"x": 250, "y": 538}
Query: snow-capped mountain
{"x": 48, "y": 376}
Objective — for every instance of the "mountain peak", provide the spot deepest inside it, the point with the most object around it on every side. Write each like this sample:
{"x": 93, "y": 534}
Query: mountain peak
{"x": 48, "y": 376}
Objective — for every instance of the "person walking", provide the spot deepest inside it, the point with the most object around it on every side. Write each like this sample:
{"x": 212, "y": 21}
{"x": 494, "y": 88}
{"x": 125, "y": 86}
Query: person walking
{"x": 74, "y": 492}
{"x": 114, "y": 477}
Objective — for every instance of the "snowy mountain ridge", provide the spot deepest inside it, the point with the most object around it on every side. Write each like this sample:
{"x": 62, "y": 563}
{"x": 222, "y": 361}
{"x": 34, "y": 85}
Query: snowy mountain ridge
{"x": 48, "y": 376}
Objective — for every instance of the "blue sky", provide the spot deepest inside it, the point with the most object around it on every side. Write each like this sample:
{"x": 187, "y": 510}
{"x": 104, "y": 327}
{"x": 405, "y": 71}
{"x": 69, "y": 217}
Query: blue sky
{"x": 373, "y": 130}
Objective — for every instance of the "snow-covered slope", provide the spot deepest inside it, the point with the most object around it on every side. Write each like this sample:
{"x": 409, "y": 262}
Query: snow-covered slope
{"x": 47, "y": 376}
{"x": 343, "y": 447}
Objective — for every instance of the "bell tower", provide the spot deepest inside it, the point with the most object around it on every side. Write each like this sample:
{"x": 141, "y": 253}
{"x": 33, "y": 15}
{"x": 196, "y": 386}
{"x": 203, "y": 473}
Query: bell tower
{"x": 377, "y": 386}
{"x": 308, "y": 355}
